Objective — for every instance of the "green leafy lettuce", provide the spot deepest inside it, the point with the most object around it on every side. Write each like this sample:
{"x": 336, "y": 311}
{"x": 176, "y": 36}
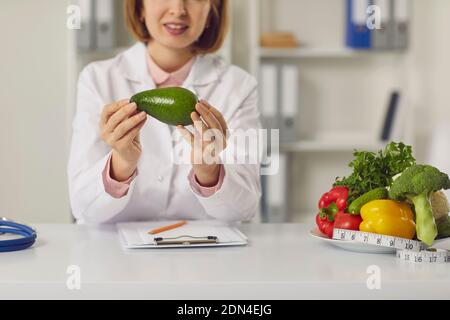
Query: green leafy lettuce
{"x": 374, "y": 170}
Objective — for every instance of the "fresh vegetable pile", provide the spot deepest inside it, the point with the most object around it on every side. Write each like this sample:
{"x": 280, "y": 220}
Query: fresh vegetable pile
{"x": 388, "y": 193}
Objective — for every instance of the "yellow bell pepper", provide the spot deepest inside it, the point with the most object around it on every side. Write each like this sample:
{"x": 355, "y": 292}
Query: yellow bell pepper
{"x": 388, "y": 217}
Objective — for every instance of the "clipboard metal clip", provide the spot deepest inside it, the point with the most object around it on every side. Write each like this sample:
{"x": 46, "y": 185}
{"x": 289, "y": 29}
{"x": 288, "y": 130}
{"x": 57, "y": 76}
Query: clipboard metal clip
{"x": 185, "y": 240}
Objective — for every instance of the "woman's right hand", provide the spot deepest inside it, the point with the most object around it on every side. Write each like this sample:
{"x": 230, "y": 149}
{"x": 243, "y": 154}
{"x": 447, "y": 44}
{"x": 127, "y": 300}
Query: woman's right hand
{"x": 120, "y": 126}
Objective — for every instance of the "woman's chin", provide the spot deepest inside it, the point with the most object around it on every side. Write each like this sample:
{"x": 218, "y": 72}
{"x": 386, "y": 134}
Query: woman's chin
{"x": 177, "y": 44}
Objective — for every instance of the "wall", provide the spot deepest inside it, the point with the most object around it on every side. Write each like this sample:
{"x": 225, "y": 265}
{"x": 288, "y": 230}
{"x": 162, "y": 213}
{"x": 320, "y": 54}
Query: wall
{"x": 33, "y": 123}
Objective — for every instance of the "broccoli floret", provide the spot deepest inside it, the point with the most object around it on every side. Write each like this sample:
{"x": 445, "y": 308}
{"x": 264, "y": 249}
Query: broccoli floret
{"x": 416, "y": 184}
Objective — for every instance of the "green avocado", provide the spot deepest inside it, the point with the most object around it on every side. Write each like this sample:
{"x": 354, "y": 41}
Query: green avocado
{"x": 169, "y": 105}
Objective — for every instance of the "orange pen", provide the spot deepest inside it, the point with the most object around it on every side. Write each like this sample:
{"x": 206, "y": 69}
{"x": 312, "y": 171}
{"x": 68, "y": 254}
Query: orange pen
{"x": 169, "y": 227}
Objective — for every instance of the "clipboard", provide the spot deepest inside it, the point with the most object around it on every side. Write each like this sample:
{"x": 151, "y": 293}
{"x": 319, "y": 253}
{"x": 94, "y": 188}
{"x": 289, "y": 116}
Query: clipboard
{"x": 185, "y": 240}
{"x": 209, "y": 233}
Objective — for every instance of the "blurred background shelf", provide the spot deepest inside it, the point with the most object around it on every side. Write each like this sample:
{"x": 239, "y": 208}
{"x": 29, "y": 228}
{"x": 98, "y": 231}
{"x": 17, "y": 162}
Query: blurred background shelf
{"x": 330, "y": 146}
{"x": 95, "y": 53}
{"x": 319, "y": 53}
{"x": 341, "y": 97}
{"x": 307, "y": 53}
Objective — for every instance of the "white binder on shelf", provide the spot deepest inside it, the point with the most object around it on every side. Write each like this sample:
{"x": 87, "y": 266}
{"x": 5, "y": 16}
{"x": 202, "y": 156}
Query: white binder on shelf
{"x": 105, "y": 33}
{"x": 401, "y": 23}
{"x": 288, "y": 87}
{"x": 269, "y": 95}
{"x": 382, "y": 39}
{"x": 86, "y": 34}
{"x": 276, "y": 192}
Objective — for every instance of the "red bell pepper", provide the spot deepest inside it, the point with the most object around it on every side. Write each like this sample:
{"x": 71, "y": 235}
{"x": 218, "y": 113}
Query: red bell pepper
{"x": 337, "y": 195}
{"x": 332, "y": 214}
{"x": 325, "y": 225}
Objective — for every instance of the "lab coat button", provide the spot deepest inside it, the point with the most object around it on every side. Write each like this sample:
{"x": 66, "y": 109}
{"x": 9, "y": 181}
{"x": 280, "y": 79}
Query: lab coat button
{"x": 160, "y": 178}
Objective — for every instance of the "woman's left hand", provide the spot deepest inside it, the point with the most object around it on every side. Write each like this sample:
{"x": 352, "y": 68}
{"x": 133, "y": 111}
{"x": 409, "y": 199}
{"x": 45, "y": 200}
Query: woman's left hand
{"x": 208, "y": 141}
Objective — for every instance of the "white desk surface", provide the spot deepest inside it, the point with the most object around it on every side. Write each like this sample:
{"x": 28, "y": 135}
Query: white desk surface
{"x": 282, "y": 261}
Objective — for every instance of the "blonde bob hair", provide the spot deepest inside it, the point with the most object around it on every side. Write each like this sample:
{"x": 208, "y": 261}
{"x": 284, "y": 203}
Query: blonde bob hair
{"x": 211, "y": 39}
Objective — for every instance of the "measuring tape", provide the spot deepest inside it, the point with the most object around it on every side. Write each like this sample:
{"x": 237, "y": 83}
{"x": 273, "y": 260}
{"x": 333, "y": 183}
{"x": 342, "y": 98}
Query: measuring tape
{"x": 407, "y": 250}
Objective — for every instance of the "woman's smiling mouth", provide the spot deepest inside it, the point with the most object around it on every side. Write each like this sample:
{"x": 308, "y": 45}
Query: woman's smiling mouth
{"x": 176, "y": 29}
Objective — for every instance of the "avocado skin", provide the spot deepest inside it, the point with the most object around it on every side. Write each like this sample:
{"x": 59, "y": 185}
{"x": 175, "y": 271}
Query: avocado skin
{"x": 172, "y": 106}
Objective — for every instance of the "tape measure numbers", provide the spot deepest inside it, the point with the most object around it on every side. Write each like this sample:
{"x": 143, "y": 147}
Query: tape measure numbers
{"x": 429, "y": 255}
{"x": 407, "y": 250}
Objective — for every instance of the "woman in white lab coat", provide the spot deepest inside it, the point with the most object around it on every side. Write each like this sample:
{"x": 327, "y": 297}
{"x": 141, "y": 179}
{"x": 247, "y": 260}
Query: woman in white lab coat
{"x": 121, "y": 165}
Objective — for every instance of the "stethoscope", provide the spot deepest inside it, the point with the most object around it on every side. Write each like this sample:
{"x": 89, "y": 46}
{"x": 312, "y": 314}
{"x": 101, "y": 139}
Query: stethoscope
{"x": 27, "y": 240}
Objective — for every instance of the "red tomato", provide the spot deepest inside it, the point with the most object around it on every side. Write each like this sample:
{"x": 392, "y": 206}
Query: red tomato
{"x": 347, "y": 221}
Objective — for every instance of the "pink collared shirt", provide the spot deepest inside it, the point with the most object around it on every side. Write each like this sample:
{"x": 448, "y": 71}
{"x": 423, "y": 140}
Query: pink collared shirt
{"x": 162, "y": 79}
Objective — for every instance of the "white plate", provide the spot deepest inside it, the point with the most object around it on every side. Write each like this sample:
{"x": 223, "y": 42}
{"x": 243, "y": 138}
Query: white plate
{"x": 350, "y": 245}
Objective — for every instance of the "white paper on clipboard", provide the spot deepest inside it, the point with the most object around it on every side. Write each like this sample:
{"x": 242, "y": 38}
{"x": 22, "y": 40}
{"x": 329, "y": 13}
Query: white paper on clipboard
{"x": 134, "y": 235}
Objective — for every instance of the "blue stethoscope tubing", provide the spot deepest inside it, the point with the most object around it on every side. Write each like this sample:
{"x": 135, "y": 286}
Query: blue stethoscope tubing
{"x": 27, "y": 240}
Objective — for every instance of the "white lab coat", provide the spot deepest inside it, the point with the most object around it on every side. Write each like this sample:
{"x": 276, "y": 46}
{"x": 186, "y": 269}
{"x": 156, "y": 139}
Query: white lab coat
{"x": 161, "y": 190}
